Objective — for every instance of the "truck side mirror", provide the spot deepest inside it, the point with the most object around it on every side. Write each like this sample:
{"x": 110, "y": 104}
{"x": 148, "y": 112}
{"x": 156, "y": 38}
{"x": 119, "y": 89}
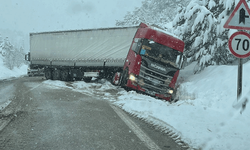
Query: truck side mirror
{"x": 136, "y": 47}
{"x": 180, "y": 61}
{"x": 183, "y": 62}
{"x": 27, "y": 57}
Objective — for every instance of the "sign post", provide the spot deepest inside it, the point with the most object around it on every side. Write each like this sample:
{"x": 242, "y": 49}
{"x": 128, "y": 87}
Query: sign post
{"x": 239, "y": 42}
{"x": 239, "y": 45}
{"x": 239, "y": 86}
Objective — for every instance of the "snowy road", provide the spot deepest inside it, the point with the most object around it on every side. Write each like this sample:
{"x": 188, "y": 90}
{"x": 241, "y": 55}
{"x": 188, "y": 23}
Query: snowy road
{"x": 47, "y": 117}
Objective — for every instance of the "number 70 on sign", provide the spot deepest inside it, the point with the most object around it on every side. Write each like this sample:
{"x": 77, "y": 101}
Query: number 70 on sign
{"x": 239, "y": 44}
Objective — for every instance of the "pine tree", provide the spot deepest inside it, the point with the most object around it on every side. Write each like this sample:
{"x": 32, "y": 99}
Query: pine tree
{"x": 208, "y": 43}
{"x": 222, "y": 9}
{"x": 19, "y": 57}
{"x": 196, "y": 26}
{"x": 8, "y": 53}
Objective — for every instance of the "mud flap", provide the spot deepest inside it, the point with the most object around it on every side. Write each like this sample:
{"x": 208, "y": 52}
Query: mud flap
{"x": 116, "y": 78}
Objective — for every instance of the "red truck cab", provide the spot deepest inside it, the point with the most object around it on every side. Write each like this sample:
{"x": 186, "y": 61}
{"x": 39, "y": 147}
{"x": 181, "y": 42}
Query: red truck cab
{"x": 153, "y": 62}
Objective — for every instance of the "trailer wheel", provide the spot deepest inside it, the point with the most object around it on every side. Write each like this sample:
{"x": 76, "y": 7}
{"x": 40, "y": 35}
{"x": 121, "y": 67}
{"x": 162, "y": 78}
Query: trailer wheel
{"x": 64, "y": 75}
{"x": 56, "y": 74}
{"x": 87, "y": 79}
{"x": 48, "y": 74}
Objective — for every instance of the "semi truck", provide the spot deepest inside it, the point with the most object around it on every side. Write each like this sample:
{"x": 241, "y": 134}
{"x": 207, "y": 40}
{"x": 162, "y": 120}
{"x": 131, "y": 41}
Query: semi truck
{"x": 142, "y": 58}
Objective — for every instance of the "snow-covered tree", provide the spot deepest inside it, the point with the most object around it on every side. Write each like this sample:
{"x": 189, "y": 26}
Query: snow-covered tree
{"x": 222, "y": 10}
{"x": 6, "y": 47}
{"x": 8, "y": 53}
{"x": 196, "y": 25}
{"x": 158, "y": 12}
{"x": 200, "y": 25}
{"x": 12, "y": 56}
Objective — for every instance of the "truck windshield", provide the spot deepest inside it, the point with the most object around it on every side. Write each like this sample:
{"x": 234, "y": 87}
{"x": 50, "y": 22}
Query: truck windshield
{"x": 161, "y": 53}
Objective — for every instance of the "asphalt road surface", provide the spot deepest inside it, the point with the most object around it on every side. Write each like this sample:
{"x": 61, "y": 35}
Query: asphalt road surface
{"x": 41, "y": 118}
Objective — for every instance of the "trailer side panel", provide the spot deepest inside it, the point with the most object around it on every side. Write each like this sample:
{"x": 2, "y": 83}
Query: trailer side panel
{"x": 82, "y": 47}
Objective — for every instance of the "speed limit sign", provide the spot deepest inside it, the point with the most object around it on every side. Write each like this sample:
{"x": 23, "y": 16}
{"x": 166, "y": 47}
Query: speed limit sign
{"x": 239, "y": 44}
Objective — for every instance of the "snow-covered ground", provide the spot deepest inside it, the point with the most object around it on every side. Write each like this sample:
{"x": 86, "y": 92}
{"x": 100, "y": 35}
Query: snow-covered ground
{"x": 7, "y": 73}
{"x": 207, "y": 116}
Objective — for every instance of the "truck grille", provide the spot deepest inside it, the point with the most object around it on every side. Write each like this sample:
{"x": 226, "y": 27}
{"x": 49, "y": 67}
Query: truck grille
{"x": 154, "y": 81}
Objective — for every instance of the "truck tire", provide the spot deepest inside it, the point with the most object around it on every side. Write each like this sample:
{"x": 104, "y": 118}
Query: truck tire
{"x": 87, "y": 79}
{"x": 56, "y": 75}
{"x": 65, "y": 75}
{"x": 48, "y": 74}
{"x": 174, "y": 97}
{"x": 124, "y": 78}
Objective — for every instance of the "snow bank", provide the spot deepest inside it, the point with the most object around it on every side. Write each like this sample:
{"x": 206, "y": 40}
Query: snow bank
{"x": 5, "y": 99}
{"x": 7, "y": 73}
{"x": 204, "y": 117}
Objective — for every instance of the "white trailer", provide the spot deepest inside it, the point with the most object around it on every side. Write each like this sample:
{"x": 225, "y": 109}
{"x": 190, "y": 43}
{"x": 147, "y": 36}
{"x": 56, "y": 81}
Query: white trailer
{"x": 76, "y": 51}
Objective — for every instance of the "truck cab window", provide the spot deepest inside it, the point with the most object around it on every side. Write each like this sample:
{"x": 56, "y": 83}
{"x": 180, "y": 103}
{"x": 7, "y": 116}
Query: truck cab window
{"x": 137, "y": 46}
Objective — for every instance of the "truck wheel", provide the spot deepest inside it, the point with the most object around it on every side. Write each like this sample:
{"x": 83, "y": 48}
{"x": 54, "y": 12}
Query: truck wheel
{"x": 174, "y": 97}
{"x": 64, "y": 75}
{"x": 124, "y": 78}
{"x": 56, "y": 75}
{"x": 48, "y": 74}
{"x": 87, "y": 79}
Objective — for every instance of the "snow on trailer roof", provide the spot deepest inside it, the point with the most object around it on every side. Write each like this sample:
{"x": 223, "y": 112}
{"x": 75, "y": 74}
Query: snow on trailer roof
{"x": 153, "y": 26}
{"x": 93, "y": 29}
{"x": 85, "y": 47}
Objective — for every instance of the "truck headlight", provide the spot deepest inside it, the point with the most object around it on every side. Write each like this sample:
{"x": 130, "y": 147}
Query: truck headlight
{"x": 170, "y": 91}
{"x": 132, "y": 77}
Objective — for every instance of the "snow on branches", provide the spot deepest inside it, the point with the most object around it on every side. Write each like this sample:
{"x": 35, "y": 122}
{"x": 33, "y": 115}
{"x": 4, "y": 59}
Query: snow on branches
{"x": 10, "y": 55}
{"x": 158, "y": 12}
{"x": 196, "y": 25}
{"x": 200, "y": 25}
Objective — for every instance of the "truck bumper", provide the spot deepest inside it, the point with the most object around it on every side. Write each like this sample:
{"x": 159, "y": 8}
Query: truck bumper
{"x": 150, "y": 92}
